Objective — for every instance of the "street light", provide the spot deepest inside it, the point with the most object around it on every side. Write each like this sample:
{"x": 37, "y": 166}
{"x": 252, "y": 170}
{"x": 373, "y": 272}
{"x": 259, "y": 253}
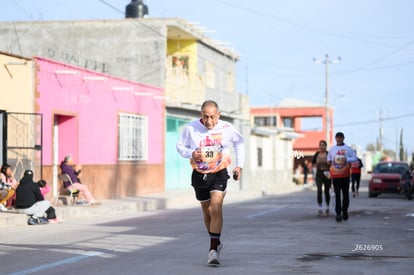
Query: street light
{"x": 327, "y": 120}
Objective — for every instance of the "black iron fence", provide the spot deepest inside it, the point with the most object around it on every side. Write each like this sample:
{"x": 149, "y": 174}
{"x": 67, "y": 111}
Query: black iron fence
{"x": 22, "y": 142}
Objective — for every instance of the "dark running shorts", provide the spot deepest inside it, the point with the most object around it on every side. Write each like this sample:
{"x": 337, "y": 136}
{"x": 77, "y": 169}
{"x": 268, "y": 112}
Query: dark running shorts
{"x": 205, "y": 183}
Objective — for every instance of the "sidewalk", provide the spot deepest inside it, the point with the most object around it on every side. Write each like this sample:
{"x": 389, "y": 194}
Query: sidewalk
{"x": 181, "y": 199}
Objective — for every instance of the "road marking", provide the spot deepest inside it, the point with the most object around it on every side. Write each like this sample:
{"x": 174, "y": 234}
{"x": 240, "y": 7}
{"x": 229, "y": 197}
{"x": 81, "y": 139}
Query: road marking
{"x": 124, "y": 242}
{"x": 59, "y": 263}
{"x": 262, "y": 213}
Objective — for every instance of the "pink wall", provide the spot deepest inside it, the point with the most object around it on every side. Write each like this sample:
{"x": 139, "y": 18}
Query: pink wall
{"x": 94, "y": 106}
{"x": 68, "y": 136}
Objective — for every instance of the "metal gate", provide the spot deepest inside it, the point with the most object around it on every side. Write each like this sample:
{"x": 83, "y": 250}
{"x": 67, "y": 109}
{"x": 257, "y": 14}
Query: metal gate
{"x": 22, "y": 142}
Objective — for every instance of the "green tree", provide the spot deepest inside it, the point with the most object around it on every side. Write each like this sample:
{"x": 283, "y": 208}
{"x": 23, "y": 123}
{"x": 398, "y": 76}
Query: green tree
{"x": 370, "y": 148}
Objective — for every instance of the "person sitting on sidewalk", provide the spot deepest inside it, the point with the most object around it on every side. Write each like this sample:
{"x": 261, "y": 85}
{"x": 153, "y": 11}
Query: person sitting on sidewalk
{"x": 6, "y": 192}
{"x": 30, "y": 201}
{"x": 7, "y": 177}
{"x": 72, "y": 170}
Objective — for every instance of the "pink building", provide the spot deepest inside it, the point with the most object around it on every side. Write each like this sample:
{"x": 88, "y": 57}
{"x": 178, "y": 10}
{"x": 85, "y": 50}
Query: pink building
{"x": 113, "y": 127}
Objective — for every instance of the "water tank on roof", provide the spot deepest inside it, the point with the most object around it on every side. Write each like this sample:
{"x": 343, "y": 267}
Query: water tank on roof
{"x": 136, "y": 9}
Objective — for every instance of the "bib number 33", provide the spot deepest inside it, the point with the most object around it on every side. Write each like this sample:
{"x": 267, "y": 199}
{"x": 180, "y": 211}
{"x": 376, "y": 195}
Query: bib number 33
{"x": 211, "y": 153}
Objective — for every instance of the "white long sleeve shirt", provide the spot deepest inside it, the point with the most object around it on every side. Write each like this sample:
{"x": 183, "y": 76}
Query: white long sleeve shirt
{"x": 341, "y": 157}
{"x": 214, "y": 143}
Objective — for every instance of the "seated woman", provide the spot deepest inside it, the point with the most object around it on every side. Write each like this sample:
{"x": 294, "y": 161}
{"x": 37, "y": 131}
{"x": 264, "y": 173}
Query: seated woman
{"x": 7, "y": 177}
{"x": 6, "y": 192}
{"x": 72, "y": 170}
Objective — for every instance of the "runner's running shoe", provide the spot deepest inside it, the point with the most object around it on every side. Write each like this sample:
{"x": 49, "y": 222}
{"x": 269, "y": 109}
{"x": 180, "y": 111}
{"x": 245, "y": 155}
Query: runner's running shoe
{"x": 213, "y": 258}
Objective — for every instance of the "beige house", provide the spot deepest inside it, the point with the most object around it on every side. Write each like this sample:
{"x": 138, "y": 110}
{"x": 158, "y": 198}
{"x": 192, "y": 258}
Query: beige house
{"x": 16, "y": 82}
{"x": 18, "y": 109}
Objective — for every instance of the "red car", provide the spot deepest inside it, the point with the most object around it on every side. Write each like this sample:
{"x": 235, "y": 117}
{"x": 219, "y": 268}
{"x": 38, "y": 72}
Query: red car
{"x": 389, "y": 177}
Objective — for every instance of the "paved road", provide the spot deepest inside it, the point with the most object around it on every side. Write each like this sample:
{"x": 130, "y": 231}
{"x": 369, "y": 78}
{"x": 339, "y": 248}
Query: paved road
{"x": 273, "y": 235}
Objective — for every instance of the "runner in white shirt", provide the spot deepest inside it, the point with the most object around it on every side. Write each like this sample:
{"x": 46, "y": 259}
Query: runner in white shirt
{"x": 206, "y": 142}
{"x": 340, "y": 157}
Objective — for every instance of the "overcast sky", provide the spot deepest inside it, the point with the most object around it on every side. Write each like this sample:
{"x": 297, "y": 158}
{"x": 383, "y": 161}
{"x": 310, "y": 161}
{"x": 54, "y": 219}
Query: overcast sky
{"x": 277, "y": 41}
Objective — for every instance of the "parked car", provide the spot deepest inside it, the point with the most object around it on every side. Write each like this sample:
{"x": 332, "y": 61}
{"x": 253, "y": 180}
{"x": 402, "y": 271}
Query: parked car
{"x": 389, "y": 177}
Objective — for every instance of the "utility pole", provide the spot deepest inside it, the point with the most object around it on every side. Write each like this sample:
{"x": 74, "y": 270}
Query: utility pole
{"x": 326, "y": 62}
{"x": 381, "y": 148}
{"x": 396, "y": 145}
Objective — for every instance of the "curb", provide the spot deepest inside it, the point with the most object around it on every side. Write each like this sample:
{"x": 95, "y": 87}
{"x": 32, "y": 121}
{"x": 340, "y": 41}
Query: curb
{"x": 107, "y": 208}
{"x": 182, "y": 199}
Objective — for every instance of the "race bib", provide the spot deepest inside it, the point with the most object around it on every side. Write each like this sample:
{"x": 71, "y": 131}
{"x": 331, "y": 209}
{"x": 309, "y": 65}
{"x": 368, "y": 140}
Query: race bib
{"x": 211, "y": 153}
{"x": 339, "y": 161}
{"x": 213, "y": 156}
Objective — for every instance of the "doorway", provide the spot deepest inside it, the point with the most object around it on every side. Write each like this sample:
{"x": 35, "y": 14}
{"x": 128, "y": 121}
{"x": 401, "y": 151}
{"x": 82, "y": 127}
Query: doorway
{"x": 65, "y": 142}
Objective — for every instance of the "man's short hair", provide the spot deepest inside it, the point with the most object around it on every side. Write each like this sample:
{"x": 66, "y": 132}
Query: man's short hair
{"x": 340, "y": 134}
{"x": 209, "y": 103}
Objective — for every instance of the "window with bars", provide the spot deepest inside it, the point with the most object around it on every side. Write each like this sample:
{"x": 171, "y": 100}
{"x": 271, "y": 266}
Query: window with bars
{"x": 132, "y": 137}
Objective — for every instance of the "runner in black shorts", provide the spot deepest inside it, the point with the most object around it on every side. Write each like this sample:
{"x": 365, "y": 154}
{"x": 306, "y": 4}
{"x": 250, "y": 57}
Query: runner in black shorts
{"x": 205, "y": 183}
{"x": 206, "y": 142}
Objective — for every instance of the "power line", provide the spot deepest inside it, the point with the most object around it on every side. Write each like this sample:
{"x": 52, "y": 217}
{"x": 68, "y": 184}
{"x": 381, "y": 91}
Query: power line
{"x": 135, "y": 20}
{"x": 309, "y": 28}
{"x": 364, "y": 122}
{"x": 38, "y": 26}
{"x": 356, "y": 123}
{"x": 23, "y": 9}
{"x": 385, "y": 67}
{"x": 364, "y": 67}
{"x": 382, "y": 57}
{"x": 223, "y": 68}
{"x": 361, "y": 68}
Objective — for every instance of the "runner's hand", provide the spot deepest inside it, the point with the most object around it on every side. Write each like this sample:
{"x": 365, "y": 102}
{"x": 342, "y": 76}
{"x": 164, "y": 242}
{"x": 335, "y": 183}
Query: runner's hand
{"x": 196, "y": 155}
{"x": 237, "y": 170}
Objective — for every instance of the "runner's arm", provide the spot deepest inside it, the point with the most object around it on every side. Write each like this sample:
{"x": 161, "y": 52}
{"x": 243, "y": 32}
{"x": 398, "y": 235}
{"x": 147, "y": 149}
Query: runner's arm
{"x": 183, "y": 144}
{"x": 239, "y": 150}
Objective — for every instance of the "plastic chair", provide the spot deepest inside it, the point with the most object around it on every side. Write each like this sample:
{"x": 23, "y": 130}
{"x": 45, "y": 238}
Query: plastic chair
{"x": 73, "y": 194}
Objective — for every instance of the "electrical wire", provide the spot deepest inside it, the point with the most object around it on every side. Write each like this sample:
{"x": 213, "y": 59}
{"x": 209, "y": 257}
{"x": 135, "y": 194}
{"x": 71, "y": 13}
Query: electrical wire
{"x": 364, "y": 67}
{"x": 356, "y": 123}
{"x": 312, "y": 29}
